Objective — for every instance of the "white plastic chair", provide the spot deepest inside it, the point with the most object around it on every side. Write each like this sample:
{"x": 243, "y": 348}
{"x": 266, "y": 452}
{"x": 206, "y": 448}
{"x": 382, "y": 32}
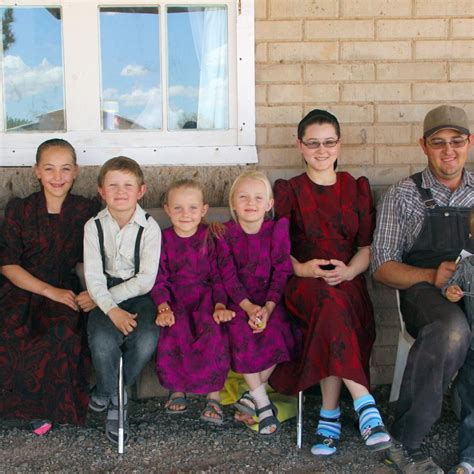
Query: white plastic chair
{"x": 299, "y": 421}
{"x": 405, "y": 341}
{"x": 121, "y": 409}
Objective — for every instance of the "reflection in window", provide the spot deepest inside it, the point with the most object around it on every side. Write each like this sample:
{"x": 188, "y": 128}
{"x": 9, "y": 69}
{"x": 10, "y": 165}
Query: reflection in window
{"x": 32, "y": 69}
{"x": 198, "y": 94}
{"x": 130, "y": 54}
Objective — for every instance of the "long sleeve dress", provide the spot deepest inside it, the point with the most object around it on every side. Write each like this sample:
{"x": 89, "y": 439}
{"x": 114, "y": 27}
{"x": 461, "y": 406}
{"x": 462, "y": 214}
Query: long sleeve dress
{"x": 44, "y": 361}
{"x": 257, "y": 267}
{"x": 327, "y": 222}
{"x": 192, "y": 355}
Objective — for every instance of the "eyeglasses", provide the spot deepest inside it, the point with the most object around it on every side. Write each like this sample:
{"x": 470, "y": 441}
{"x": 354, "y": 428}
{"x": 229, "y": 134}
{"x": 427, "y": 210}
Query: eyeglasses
{"x": 439, "y": 143}
{"x": 313, "y": 145}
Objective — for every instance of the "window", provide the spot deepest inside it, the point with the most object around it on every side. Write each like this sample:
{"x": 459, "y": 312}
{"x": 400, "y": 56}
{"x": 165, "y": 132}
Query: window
{"x": 163, "y": 83}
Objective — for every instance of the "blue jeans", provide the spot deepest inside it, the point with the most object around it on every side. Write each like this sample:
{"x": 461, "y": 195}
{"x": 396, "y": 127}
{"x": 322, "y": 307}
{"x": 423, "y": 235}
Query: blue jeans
{"x": 107, "y": 344}
{"x": 465, "y": 385}
{"x": 443, "y": 337}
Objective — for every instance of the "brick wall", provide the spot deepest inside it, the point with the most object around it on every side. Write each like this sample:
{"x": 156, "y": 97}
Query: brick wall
{"x": 378, "y": 65}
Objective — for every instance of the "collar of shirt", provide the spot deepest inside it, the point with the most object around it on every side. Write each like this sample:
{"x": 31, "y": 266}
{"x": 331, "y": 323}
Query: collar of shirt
{"x": 429, "y": 179}
{"x": 139, "y": 216}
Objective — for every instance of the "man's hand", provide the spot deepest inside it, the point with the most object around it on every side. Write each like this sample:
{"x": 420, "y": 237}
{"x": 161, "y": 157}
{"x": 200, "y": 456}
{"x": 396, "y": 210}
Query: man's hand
{"x": 85, "y": 302}
{"x": 443, "y": 273}
{"x": 123, "y": 320}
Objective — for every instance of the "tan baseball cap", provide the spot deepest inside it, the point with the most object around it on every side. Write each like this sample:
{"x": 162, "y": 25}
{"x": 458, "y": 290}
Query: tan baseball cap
{"x": 445, "y": 116}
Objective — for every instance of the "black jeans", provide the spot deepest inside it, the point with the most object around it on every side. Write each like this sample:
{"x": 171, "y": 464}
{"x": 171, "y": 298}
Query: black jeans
{"x": 443, "y": 337}
{"x": 465, "y": 383}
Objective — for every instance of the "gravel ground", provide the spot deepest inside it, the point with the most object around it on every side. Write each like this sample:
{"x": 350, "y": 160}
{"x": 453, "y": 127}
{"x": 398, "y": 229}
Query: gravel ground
{"x": 182, "y": 443}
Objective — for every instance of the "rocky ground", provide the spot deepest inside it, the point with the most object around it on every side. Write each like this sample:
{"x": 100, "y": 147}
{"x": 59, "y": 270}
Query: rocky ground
{"x": 182, "y": 443}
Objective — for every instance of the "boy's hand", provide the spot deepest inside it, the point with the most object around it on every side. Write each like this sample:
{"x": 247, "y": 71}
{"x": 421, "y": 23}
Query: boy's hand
{"x": 454, "y": 293}
{"x": 123, "y": 320}
{"x": 85, "y": 302}
{"x": 221, "y": 314}
{"x": 165, "y": 318}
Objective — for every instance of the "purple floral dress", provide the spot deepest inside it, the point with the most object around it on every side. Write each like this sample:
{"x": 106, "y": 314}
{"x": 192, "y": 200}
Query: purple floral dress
{"x": 193, "y": 354}
{"x": 257, "y": 267}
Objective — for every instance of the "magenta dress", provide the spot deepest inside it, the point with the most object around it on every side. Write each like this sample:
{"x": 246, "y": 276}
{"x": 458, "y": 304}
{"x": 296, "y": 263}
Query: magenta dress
{"x": 257, "y": 267}
{"x": 193, "y": 354}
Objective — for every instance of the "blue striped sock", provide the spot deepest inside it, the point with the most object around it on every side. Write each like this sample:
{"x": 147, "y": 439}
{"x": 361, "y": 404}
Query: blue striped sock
{"x": 370, "y": 418}
{"x": 329, "y": 427}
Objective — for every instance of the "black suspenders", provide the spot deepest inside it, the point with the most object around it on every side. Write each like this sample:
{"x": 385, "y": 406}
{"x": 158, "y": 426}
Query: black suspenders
{"x": 425, "y": 194}
{"x": 136, "y": 255}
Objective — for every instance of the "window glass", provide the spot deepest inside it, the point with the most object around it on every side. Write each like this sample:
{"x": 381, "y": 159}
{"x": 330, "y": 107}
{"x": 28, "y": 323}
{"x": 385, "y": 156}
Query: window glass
{"x": 130, "y": 65}
{"x": 32, "y": 69}
{"x": 197, "y": 92}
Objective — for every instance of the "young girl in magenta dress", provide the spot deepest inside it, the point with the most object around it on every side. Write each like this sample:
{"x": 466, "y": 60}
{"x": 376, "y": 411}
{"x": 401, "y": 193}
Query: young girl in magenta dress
{"x": 254, "y": 261}
{"x": 192, "y": 354}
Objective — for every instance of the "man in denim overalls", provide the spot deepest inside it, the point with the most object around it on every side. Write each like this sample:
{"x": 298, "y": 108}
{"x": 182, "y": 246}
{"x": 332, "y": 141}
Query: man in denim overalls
{"x": 423, "y": 224}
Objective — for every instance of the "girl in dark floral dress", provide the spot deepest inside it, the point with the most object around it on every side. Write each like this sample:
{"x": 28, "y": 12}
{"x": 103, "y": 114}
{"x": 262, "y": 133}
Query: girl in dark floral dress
{"x": 331, "y": 224}
{"x": 43, "y": 357}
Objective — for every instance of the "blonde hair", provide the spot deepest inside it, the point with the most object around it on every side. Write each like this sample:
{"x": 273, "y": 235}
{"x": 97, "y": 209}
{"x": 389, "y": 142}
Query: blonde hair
{"x": 121, "y": 163}
{"x": 185, "y": 183}
{"x": 255, "y": 175}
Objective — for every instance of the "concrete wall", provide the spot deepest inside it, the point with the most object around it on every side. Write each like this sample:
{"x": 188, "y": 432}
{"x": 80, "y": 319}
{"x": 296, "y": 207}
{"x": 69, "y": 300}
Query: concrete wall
{"x": 379, "y": 65}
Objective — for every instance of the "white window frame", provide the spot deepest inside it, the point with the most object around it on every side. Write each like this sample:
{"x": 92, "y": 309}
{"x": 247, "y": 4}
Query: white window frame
{"x": 82, "y": 90}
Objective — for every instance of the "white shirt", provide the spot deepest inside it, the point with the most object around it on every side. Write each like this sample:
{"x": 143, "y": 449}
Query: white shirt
{"x": 119, "y": 246}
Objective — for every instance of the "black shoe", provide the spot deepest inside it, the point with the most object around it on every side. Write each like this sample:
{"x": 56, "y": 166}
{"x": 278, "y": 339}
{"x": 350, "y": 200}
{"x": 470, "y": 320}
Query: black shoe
{"x": 405, "y": 462}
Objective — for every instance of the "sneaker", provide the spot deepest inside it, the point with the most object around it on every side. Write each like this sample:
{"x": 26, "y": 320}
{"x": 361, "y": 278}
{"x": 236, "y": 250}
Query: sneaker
{"x": 414, "y": 462}
{"x": 98, "y": 404}
{"x": 461, "y": 468}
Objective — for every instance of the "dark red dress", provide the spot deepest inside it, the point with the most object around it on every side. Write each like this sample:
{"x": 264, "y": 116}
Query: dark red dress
{"x": 337, "y": 322}
{"x": 44, "y": 363}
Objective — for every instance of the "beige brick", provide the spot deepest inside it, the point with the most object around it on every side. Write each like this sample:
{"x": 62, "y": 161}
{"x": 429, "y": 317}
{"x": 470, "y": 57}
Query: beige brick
{"x": 376, "y": 8}
{"x": 339, "y": 29}
{"x": 392, "y": 134}
{"x": 303, "y": 9}
{"x": 463, "y": 28}
{"x": 278, "y": 173}
{"x": 357, "y": 134}
{"x": 359, "y": 50}
{"x": 379, "y": 175}
{"x": 444, "y": 8}
{"x": 279, "y": 30}
{"x": 260, "y": 9}
{"x": 278, "y": 73}
{"x": 386, "y": 155}
{"x": 279, "y": 115}
{"x": 280, "y": 94}
{"x": 375, "y": 92}
{"x": 260, "y": 94}
{"x": 288, "y": 157}
{"x": 386, "y": 317}
{"x": 356, "y": 155}
{"x": 261, "y": 53}
{"x": 261, "y": 135}
{"x": 339, "y": 72}
{"x": 326, "y": 51}
{"x": 282, "y": 135}
{"x": 461, "y": 71}
{"x": 443, "y": 92}
{"x": 402, "y": 112}
{"x": 348, "y": 113}
{"x": 391, "y": 29}
{"x": 411, "y": 71}
{"x": 457, "y": 49}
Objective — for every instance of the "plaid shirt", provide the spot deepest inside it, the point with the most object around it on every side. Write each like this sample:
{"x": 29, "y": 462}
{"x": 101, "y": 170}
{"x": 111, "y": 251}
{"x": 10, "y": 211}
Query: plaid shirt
{"x": 401, "y": 214}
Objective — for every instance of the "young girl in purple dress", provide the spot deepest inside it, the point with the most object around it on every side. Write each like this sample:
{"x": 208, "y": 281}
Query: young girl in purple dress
{"x": 254, "y": 261}
{"x": 192, "y": 354}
